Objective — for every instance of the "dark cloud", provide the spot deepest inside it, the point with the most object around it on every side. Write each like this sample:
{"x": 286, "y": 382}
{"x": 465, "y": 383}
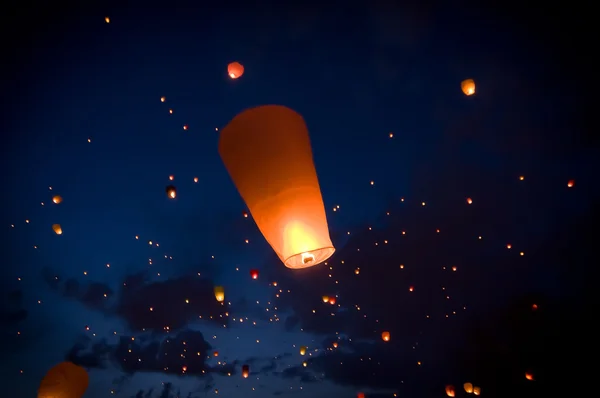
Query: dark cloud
{"x": 184, "y": 353}
{"x": 174, "y": 303}
{"x": 157, "y": 306}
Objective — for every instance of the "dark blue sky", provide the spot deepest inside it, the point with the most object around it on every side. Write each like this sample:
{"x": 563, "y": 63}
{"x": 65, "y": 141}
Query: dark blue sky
{"x": 82, "y": 115}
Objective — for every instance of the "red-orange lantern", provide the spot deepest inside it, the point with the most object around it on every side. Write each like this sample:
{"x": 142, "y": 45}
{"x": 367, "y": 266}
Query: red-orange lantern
{"x": 268, "y": 155}
{"x": 235, "y": 70}
{"x": 360, "y": 395}
{"x": 468, "y": 86}
{"x": 245, "y": 214}
{"x": 450, "y": 391}
{"x": 385, "y": 336}
{"x": 245, "y": 371}
{"x": 254, "y": 273}
{"x": 529, "y": 376}
{"x": 332, "y": 300}
{"x": 64, "y": 380}
{"x": 571, "y": 183}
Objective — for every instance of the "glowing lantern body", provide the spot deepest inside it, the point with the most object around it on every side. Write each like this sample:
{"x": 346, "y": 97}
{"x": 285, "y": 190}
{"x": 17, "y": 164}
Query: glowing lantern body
{"x": 57, "y": 199}
{"x": 325, "y": 299}
{"x": 235, "y": 70}
{"x": 571, "y": 183}
{"x": 245, "y": 214}
{"x": 57, "y": 229}
{"x": 468, "y": 87}
{"x": 171, "y": 191}
{"x": 220, "y": 293}
{"x": 335, "y": 344}
{"x": 360, "y": 395}
{"x": 65, "y": 380}
{"x": 386, "y": 336}
{"x": 302, "y": 350}
{"x": 450, "y": 391}
{"x": 529, "y": 376}
{"x": 254, "y": 273}
{"x": 477, "y": 390}
{"x": 245, "y": 371}
{"x": 332, "y": 300}
{"x": 468, "y": 387}
{"x": 267, "y": 153}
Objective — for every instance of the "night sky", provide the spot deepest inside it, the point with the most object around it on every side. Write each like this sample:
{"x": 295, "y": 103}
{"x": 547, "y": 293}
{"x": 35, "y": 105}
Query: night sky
{"x": 463, "y": 225}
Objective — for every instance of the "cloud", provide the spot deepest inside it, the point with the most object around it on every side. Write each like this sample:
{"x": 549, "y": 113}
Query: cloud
{"x": 159, "y": 306}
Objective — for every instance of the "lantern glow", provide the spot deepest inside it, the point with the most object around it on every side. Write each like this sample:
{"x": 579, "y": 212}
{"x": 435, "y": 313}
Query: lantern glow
{"x": 268, "y": 155}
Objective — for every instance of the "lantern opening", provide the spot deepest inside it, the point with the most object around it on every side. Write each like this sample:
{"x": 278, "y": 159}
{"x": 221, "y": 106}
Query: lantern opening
{"x": 307, "y": 258}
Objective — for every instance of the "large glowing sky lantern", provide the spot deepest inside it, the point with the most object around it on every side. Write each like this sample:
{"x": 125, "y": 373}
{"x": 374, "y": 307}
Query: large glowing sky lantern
{"x": 267, "y": 153}
{"x": 65, "y": 380}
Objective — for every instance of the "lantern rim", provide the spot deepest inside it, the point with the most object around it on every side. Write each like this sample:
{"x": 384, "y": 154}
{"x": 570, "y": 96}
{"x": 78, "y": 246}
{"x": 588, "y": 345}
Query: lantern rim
{"x": 321, "y": 254}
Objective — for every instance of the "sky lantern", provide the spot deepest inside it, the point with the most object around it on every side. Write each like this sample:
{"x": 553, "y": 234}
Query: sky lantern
{"x": 268, "y": 155}
{"x": 468, "y": 387}
{"x": 235, "y": 70}
{"x": 57, "y": 199}
{"x": 325, "y": 299}
{"x": 245, "y": 214}
{"x": 469, "y": 201}
{"x": 254, "y": 273}
{"x": 57, "y": 229}
{"x": 107, "y": 19}
{"x": 332, "y": 300}
{"x": 468, "y": 86}
{"x": 476, "y": 390}
{"x": 171, "y": 191}
{"x": 64, "y": 380}
{"x": 360, "y": 395}
{"x": 385, "y": 336}
{"x": 303, "y": 350}
{"x": 216, "y": 354}
{"x": 529, "y": 376}
{"x": 450, "y": 391}
{"x": 220, "y": 293}
{"x": 335, "y": 344}
{"x": 571, "y": 183}
{"x": 245, "y": 371}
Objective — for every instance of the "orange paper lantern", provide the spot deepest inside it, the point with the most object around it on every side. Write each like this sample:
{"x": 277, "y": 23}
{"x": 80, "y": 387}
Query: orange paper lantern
{"x": 64, "y": 380}
{"x": 220, "y": 293}
{"x": 235, "y": 70}
{"x": 468, "y": 87}
{"x": 245, "y": 371}
{"x": 267, "y": 153}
